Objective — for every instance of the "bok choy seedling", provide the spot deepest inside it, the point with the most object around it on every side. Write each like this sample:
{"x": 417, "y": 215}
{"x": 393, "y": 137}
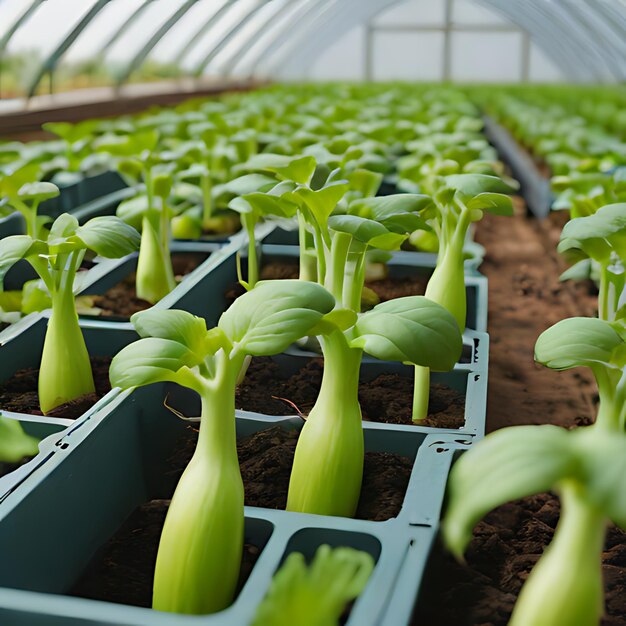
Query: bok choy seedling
{"x": 459, "y": 200}
{"x": 149, "y": 211}
{"x": 599, "y": 238}
{"x": 315, "y": 594}
{"x": 328, "y": 464}
{"x": 201, "y": 544}
{"x": 584, "y": 466}
{"x": 19, "y": 193}
{"x": 65, "y": 371}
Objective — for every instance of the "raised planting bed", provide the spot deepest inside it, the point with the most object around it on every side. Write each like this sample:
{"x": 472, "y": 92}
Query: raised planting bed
{"x": 406, "y": 277}
{"x": 534, "y": 186}
{"x": 125, "y": 465}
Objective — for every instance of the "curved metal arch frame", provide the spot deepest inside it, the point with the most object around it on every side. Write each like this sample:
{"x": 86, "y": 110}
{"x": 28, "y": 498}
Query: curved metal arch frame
{"x": 154, "y": 39}
{"x": 305, "y": 41}
{"x": 228, "y": 36}
{"x": 571, "y": 22}
{"x": 286, "y": 30}
{"x": 21, "y": 19}
{"x": 229, "y": 66}
{"x": 556, "y": 48}
{"x": 593, "y": 24}
{"x": 55, "y": 56}
{"x": 204, "y": 28}
{"x": 116, "y": 36}
{"x": 570, "y": 59}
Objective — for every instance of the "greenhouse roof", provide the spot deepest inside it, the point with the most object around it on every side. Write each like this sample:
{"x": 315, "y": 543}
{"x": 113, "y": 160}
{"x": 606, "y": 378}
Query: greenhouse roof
{"x": 586, "y": 39}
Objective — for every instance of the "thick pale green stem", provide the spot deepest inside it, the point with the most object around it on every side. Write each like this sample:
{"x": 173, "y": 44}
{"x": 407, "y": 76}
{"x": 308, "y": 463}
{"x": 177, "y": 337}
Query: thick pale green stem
{"x": 354, "y": 281}
{"x": 155, "y": 276}
{"x": 565, "y": 587}
{"x": 249, "y": 223}
{"x": 207, "y": 200}
{"x": 328, "y": 464}
{"x": 15, "y": 444}
{"x": 339, "y": 249}
{"x": 447, "y": 288}
{"x": 201, "y": 544}
{"x": 308, "y": 262}
{"x": 612, "y": 399}
{"x": 65, "y": 372}
{"x": 421, "y": 393}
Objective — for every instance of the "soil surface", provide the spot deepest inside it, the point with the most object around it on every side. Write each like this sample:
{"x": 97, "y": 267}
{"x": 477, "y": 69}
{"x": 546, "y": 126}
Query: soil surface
{"x": 385, "y": 288}
{"x": 7, "y": 468}
{"x": 387, "y": 398}
{"x": 525, "y": 298}
{"x": 121, "y": 300}
{"x": 266, "y": 459}
{"x": 123, "y": 571}
{"x": 19, "y": 393}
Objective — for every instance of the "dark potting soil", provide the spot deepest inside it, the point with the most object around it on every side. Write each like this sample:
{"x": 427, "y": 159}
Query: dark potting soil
{"x": 121, "y": 300}
{"x": 19, "y": 393}
{"x": 266, "y": 458}
{"x": 123, "y": 570}
{"x": 525, "y": 298}
{"x": 385, "y": 288}
{"x": 7, "y": 468}
{"x": 506, "y": 545}
{"x": 387, "y": 398}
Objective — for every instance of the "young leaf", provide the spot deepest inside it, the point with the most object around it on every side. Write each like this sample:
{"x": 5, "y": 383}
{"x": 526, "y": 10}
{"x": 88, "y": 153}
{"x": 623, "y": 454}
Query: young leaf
{"x": 267, "y": 319}
{"x": 496, "y": 203}
{"x": 577, "y": 341}
{"x": 367, "y": 231}
{"x": 509, "y": 464}
{"x": 474, "y": 184}
{"x": 151, "y": 360}
{"x": 411, "y": 329}
{"x": 38, "y": 191}
{"x": 109, "y": 237}
{"x": 14, "y": 248}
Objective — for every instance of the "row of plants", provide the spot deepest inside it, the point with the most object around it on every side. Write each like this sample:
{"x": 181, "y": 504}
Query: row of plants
{"x": 583, "y": 148}
{"x": 328, "y": 194}
{"x": 583, "y": 466}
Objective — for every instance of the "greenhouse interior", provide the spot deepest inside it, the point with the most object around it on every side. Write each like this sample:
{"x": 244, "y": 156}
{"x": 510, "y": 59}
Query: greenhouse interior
{"x": 312, "y": 312}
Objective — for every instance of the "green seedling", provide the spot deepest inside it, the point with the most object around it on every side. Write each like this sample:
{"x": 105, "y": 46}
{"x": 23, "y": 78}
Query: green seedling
{"x": 200, "y": 549}
{"x": 65, "y": 371}
{"x": 315, "y": 594}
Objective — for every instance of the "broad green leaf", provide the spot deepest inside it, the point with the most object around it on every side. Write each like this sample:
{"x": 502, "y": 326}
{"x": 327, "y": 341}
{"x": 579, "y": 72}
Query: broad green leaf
{"x": 150, "y": 360}
{"x": 365, "y": 182}
{"x": 180, "y": 326}
{"x": 383, "y": 207}
{"x": 323, "y": 202}
{"x": 268, "y": 318}
{"x": 367, "y": 231}
{"x": 577, "y": 341}
{"x": 473, "y": 184}
{"x": 10, "y": 301}
{"x": 38, "y": 191}
{"x": 411, "y": 329}
{"x": 341, "y": 319}
{"x": 496, "y": 203}
{"x": 581, "y": 270}
{"x": 12, "y": 181}
{"x": 244, "y": 185}
{"x": 109, "y": 237}
{"x": 133, "y": 210}
{"x": 300, "y": 169}
{"x": 263, "y": 204}
{"x": 509, "y": 464}
{"x": 63, "y": 227}
{"x": 14, "y": 248}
